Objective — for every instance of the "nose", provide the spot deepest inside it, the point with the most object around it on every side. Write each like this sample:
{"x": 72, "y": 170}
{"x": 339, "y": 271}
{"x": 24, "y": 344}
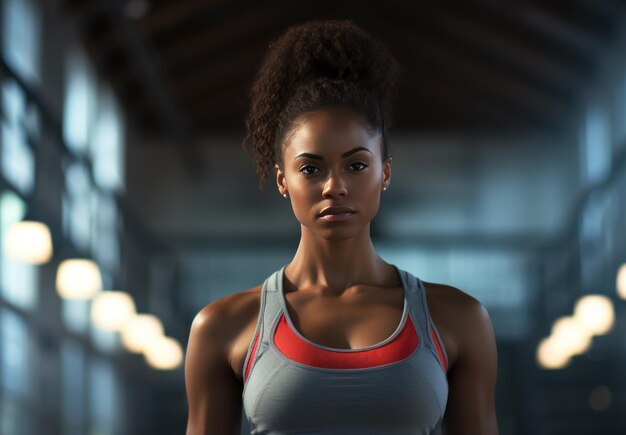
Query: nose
{"x": 334, "y": 186}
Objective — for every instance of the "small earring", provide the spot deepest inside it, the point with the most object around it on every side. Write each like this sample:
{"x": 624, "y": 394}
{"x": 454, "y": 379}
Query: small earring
{"x": 385, "y": 188}
{"x": 285, "y": 195}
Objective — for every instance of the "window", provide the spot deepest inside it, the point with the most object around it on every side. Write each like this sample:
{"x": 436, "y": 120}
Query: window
{"x": 75, "y": 315}
{"x": 105, "y": 245}
{"x": 595, "y": 236}
{"x": 80, "y": 103}
{"x": 18, "y": 160}
{"x": 77, "y": 205}
{"x": 620, "y": 114}
{"x": 104, "y": 398}
{"x": 15, "y": 360}
{"x": 21, "y": 36}
{"x": 108, "y": 144}
{"x": 73, "y": 369}
{"x": 596, "y": 146}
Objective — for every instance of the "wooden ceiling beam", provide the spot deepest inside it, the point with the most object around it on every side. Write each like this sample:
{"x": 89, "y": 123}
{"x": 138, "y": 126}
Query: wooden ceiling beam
{"x": 188, "y": 51}
{"x": 457, "y": 26}
{"x": 582, "y": 15}
{"x": 486, "y": 80}
{"x": 162, "y": 17}
{"x": 87, "y": 12}
{"x": 537, "y": 18}
{"x": 173, "y": 13}
{"x": 242, "y": 30}
{"x": 240, "y": 66}
{"x": 480, "y": 37}
{"x": 83, "y": 8}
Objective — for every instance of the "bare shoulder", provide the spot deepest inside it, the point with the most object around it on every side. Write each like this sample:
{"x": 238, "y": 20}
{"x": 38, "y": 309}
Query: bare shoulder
{"x": 213, "y": 389}
{"x": 451, "y": 297}
{"x": 454, "y": 312}
{"x": 230, "y": 321}
{"x": 473, "y": 367}
{"x": 227, "y": 308}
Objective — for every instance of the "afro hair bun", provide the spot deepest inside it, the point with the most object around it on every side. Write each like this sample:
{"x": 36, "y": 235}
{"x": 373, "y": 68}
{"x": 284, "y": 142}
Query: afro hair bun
{"x": 312, "y": 65}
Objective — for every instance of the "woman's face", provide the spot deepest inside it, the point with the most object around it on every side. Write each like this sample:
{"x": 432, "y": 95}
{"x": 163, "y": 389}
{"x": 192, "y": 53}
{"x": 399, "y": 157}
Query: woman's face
{"x": 331, "y": 159}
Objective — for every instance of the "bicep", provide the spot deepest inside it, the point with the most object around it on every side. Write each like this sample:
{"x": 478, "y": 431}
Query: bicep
{"x": 213, "y": 392}
{"x": 472, "y": 380}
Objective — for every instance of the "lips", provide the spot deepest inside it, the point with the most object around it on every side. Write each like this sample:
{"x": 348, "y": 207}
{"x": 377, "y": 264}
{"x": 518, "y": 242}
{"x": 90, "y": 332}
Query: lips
{"x": 335, "y": 210}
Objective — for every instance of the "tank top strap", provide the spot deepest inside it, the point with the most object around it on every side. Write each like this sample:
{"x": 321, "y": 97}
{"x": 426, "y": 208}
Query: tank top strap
{"x": 269, "y": 307}
{"x": 421, "y": 314}
{"x": 414, "y": 301}
{"x": 272, "y": 302}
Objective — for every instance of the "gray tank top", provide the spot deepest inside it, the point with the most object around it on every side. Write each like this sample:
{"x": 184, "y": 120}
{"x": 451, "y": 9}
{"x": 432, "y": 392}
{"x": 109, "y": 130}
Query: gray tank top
{"x": 293, "y": 385}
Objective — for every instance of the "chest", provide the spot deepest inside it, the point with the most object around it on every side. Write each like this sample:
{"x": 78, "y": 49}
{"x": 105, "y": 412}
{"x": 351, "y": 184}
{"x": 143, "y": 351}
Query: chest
{"x": 362, "y": 320}
{"x": 355, "y": 321}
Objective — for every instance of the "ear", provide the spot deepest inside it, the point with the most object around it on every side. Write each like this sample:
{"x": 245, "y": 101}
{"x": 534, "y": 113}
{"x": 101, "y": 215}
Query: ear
{"x": 387, "y": 172}
{"x": 281, "y": 181}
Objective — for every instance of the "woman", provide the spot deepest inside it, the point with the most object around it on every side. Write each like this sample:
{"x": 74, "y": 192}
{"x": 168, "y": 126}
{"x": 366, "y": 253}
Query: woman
{"x": 337, "y": 341}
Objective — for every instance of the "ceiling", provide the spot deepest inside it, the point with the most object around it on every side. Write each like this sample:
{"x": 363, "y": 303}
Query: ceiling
{"x": 184, "y": 67}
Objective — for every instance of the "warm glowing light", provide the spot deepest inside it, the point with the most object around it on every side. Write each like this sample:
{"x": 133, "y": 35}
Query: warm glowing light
{"x": 551, "y": 354}
{"x": 28, "y": 241}
{"x": 140, "y": 331}
{"x": 164, "y": 353}
{"x": 78, "y": 279}
{"x": 620, "y": 281}
{"x": 573, "y": 337}
{"x": 111, "y": 310}
{"x": 595, "y": 313}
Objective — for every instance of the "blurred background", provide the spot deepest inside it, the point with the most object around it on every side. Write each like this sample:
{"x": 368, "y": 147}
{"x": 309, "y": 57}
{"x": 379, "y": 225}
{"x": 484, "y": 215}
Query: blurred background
{"x": 127, "y": 203}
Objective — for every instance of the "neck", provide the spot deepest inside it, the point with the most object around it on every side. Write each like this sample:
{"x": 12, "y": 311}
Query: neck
{"x": 338, "y": 264}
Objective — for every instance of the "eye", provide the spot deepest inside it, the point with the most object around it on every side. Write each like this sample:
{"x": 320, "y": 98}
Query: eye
{"x": 303, "y": 169}
{"x": 359, "y": 163}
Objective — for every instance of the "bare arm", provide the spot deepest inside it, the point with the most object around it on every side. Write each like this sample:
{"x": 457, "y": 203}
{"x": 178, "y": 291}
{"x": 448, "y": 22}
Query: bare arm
{"x": 213, "y": 391}
{"x": 472, "y": 379}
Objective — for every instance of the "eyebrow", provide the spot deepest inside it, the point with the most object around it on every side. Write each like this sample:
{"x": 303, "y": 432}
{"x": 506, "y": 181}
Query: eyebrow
{"x": 343, "y": 156}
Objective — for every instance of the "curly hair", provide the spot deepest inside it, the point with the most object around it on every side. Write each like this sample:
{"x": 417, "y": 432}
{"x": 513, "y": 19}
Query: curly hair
{"x": 313, "y": 65}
